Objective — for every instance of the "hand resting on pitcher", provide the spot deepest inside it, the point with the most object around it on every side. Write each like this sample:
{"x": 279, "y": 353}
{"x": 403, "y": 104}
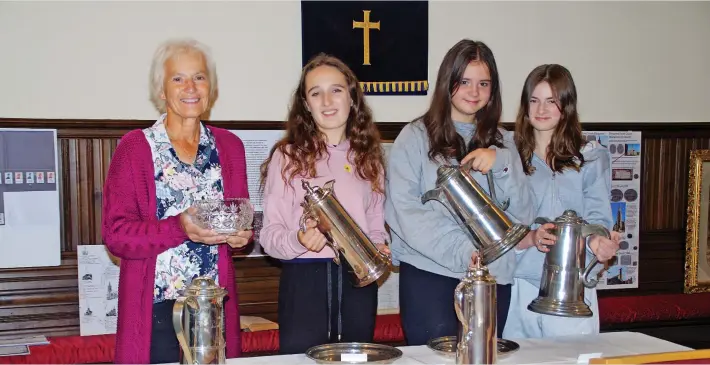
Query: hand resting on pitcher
{"x": 539, "y": 238}
{"x": 473, "y": 259}
{"x": 481, "y": 159}
{"x": 312, "y": 239}
{"x": 604, "y": 248}
{"x": 384, "y": 249}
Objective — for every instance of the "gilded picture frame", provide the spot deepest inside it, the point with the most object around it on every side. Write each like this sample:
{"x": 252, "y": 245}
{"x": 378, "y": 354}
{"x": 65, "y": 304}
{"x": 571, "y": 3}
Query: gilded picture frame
{"x": 697, "y": 244}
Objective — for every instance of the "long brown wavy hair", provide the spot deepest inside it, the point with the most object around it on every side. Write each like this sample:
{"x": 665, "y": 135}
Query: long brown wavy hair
{"x": 304, "y": 144}
{"x": 567, "y": 139}
{"x": 443, "y": 140}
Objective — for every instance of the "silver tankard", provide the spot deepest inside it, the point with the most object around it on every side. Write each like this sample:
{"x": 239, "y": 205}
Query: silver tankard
{"x": 495, "y": 233}
{"x": 343, "y": 234}
{"x": 563, "y": 274}
{"x": 199, "y": 322}
{"x": 475, "y": 306}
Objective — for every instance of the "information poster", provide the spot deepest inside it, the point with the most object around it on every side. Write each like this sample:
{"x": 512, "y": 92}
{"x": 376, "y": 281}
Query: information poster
{"x": 98, "y": 290}
{"x": 257, "y": 146}
{"x": 30, "y": 214}
{"x": 625, "y": 149}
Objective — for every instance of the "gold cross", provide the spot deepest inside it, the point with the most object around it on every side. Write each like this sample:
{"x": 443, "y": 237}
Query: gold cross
{"x": 365, "y": 25}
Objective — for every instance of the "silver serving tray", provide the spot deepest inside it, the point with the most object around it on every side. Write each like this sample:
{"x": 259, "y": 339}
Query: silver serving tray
{"x": 331, "y": 353}
{"x": 446, "y": 346}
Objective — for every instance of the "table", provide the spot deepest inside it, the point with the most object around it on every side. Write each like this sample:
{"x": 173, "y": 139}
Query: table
{"x": 558, "y": 350}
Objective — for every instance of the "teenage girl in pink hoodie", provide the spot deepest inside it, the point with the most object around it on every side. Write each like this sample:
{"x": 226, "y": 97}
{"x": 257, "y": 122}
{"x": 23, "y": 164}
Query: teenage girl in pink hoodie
{"x": 330, "y": 135}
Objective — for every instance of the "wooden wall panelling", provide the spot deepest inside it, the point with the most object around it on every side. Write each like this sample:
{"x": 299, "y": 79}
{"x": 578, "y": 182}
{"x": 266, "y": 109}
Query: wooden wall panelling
{"x": 45, "y": 300}
{"x": 258, "y": 285}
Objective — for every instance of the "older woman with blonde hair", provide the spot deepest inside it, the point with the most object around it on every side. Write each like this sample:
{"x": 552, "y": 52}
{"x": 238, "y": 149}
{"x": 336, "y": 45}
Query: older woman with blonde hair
{"x": 155, "y": 176}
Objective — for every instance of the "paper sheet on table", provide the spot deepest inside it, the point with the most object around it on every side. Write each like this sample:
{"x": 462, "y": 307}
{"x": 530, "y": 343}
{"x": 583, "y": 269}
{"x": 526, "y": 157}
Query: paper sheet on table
{"x": 14, "y": 350}
{"x": 15, "y": 341}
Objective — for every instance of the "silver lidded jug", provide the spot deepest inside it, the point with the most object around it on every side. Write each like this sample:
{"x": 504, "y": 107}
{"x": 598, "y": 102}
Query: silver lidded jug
{"x": 198, "y": 318}
{"x": 475, "y": 305}
{"x": 343, "y": 234}
{"x": 563, "y": 274}
{"x": 495, "y": 233}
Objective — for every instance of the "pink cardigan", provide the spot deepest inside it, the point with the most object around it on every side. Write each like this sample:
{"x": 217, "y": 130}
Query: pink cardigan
{"x": 132, "y": 232}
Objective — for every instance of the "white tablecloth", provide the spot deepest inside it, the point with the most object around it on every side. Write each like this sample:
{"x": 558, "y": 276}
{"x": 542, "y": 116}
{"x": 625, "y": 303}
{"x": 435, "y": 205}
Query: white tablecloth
{"x": 556, "y": 350}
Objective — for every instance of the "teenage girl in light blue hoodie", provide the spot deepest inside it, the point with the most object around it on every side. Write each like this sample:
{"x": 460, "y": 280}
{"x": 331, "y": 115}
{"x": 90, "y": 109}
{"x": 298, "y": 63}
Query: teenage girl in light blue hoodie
{"x": 565, "y": 172}
{"x": 432, "y": 249}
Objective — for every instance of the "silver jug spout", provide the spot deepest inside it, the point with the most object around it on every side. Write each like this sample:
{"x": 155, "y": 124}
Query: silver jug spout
{"x": 329, "y": 185}
{"x": 433, "y": 194}
{"x": 437, "y": 193}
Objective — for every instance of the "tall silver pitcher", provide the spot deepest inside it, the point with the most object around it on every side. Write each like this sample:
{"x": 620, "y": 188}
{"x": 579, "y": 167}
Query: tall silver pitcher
{"x": 495, "y": 233}
{"x": 343, "y": 234}
{"x": 475, "y": 305}
{"x": 199, "y": 322}
{"x": 563, "y": 274}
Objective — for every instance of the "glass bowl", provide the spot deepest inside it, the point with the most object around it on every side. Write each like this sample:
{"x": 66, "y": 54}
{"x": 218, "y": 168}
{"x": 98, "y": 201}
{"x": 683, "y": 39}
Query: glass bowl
{"x": 225, "y": 216}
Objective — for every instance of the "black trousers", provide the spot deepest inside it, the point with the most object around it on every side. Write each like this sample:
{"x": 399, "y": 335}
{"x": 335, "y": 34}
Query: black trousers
{"x": 164, "y": 347}
{"x": 426, "y": 305}
{"x": 317, "y": 308}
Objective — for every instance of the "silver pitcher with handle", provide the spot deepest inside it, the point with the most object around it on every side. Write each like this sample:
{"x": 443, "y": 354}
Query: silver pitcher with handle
{"x": 564, "y": 275}
{"x": 198, "y": 318}
{"x": 475, "y": 306}
{"x": 459, "y": 192}
{"x": 343, "y": 234}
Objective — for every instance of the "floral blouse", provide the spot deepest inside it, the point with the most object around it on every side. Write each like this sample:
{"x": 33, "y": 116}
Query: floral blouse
{"x": 178, "y": 185}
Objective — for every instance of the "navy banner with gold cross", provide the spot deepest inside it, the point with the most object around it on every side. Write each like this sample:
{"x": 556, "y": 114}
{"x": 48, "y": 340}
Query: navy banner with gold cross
{"x": 384, "y": 42}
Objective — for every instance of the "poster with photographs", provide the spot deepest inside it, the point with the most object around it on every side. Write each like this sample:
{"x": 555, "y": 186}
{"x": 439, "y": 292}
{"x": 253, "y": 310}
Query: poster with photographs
{"x": 98, "y": 290}
{"x": 625, "y": 150}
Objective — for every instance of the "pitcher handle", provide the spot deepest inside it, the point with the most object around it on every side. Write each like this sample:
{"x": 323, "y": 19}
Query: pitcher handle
{"x": 177, "y": 324}
{"x": 458, "y": 303}
{"x": 588, "y": 230}
{"x": 590, "y": 283}
{"x": 491, "y": 187}
{"x": 302, "y": 224}
{"x": 305, "y": 216}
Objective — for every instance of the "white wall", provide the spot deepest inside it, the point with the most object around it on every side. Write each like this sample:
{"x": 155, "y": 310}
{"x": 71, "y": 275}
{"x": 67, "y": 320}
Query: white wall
{"x": 632, "y": 61}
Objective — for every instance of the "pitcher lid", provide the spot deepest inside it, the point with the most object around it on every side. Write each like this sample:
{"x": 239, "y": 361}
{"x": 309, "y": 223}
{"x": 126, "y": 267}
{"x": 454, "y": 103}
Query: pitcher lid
{"x": 205, "y": 287}
{"x": 445, "y": 171}
{"x": 569, "y": 216}
{"x": 314, "y": 193}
